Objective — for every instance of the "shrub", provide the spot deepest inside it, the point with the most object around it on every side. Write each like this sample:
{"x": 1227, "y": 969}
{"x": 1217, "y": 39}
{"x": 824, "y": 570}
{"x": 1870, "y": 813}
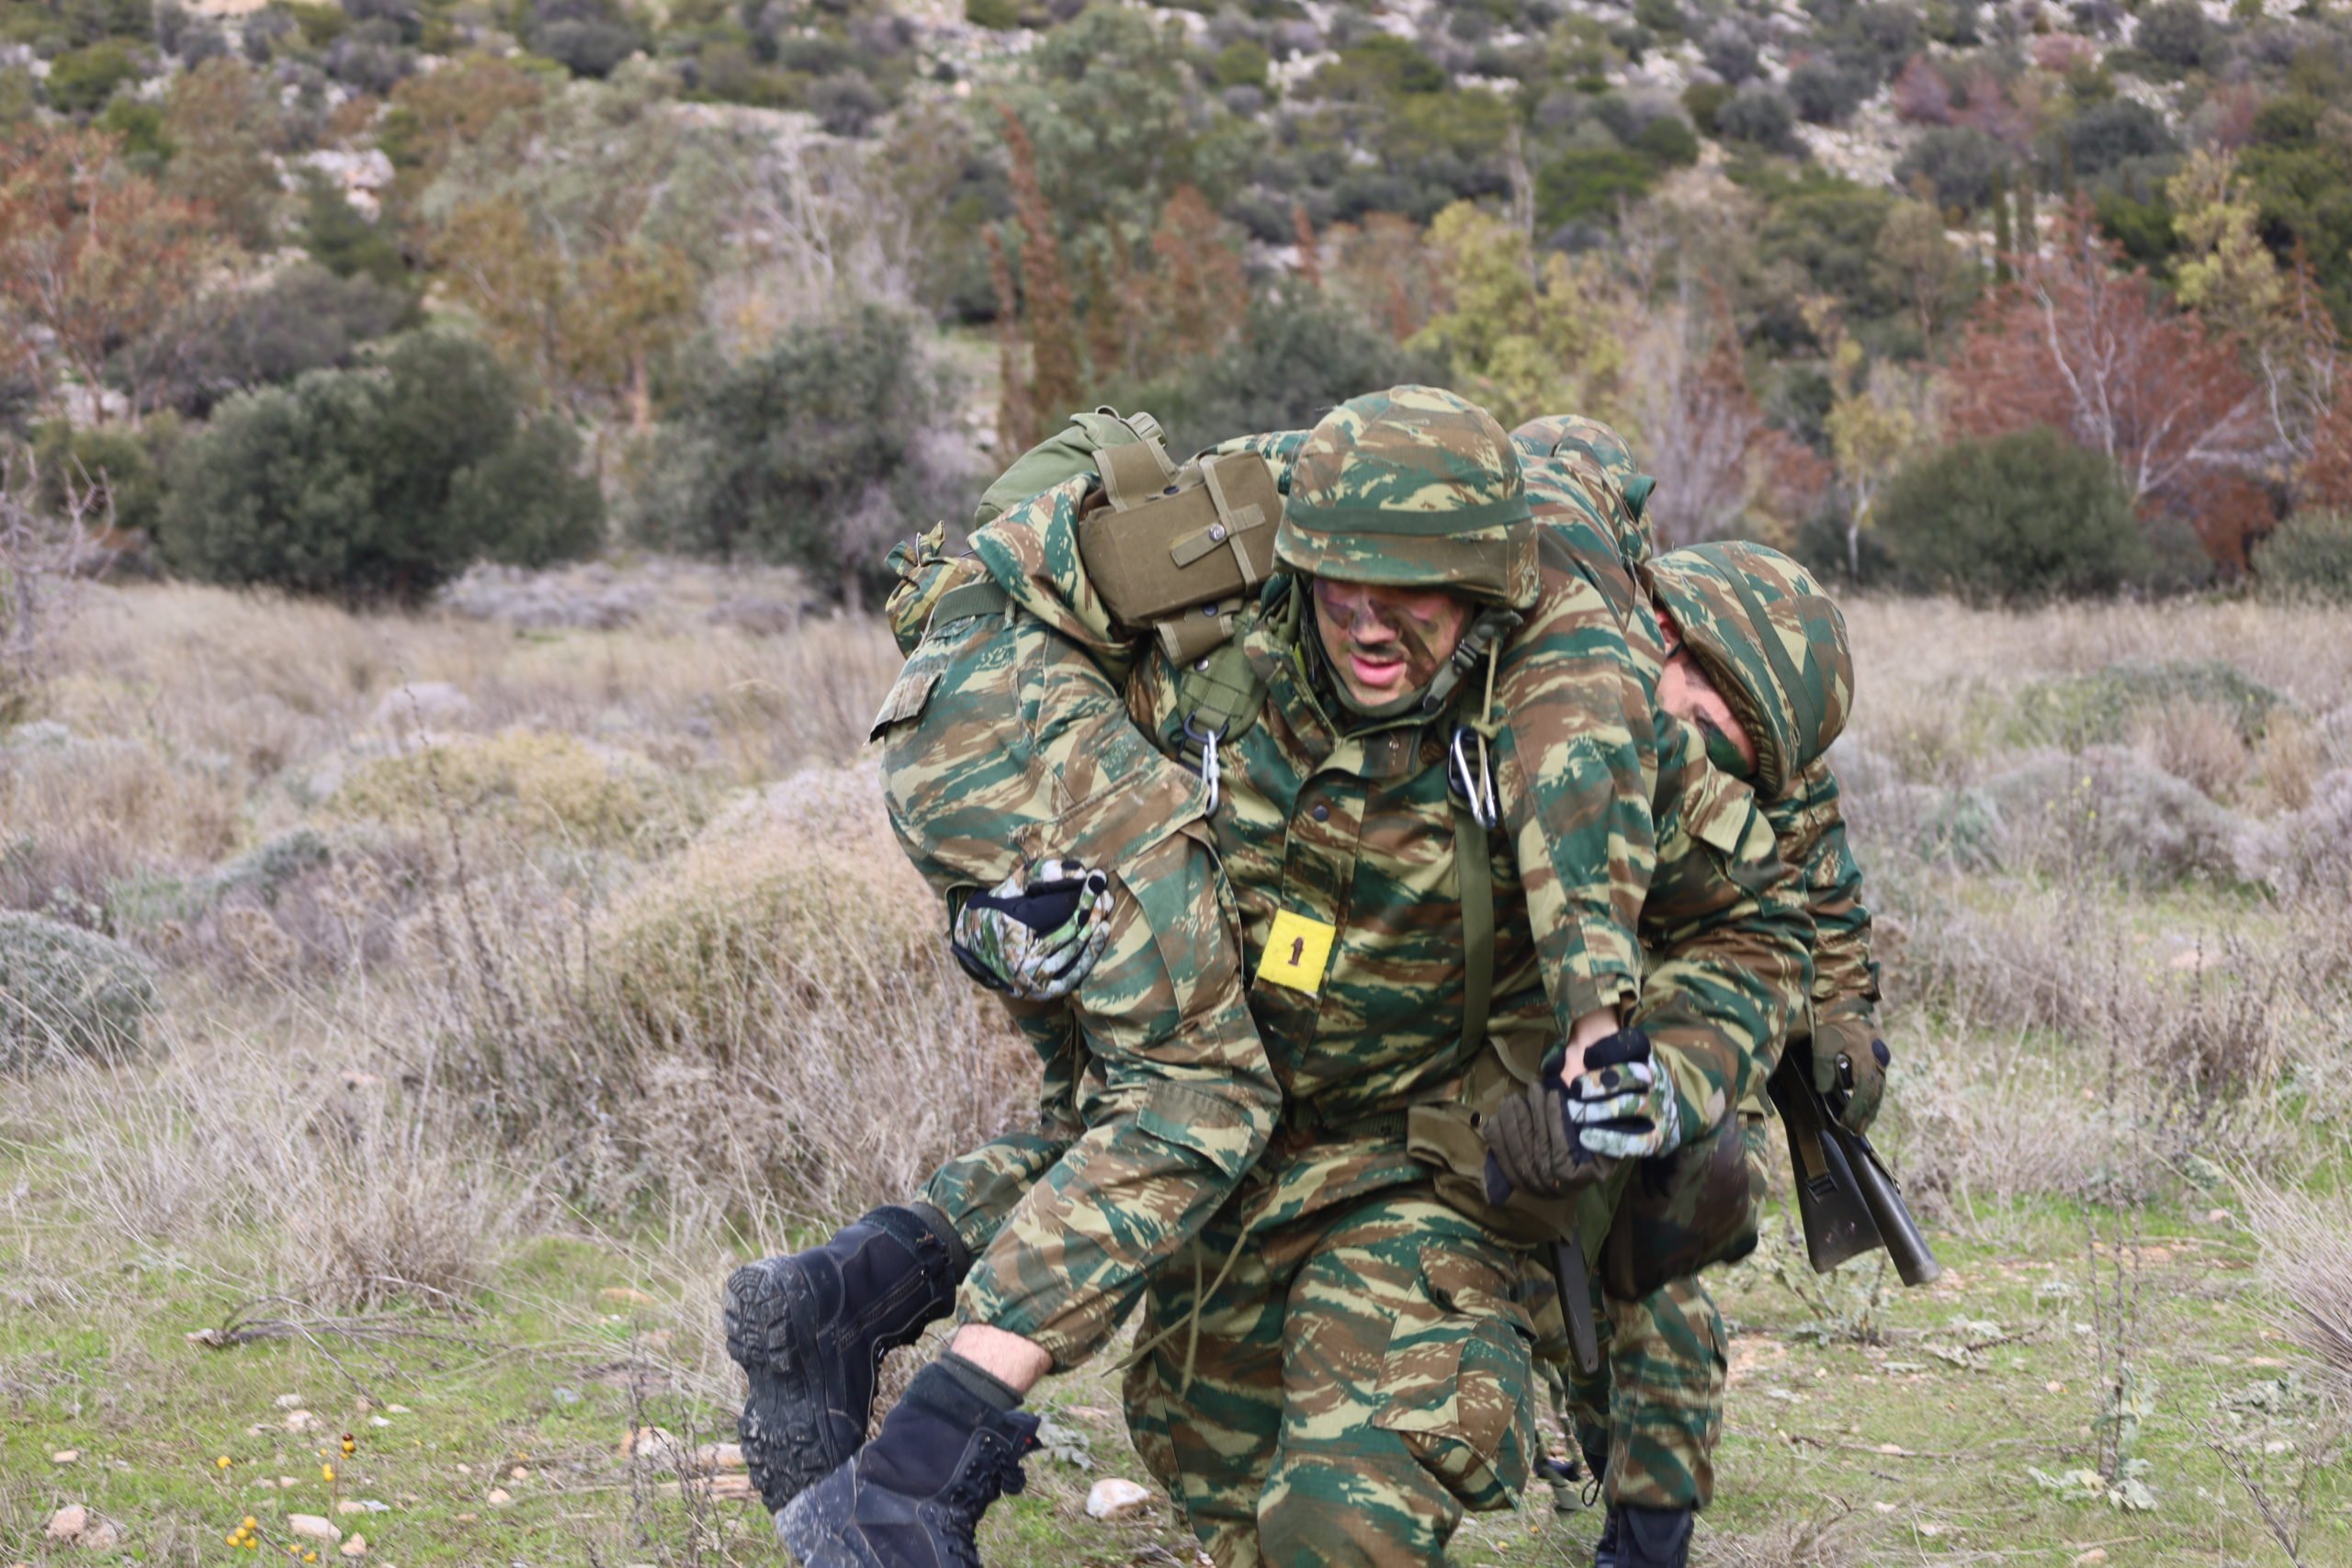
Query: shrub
{"x": 304, "y": 318}
{"x": 1824, "y": 95}
{"x": 1296, "y": 360}
{"x": 1964, "y": 165}
{"x": 1704, "y": 101}
{"x": 1591, "y": 183}
{"x": 1244, "y": 63}
{"x": 2173, "y": 33}
{"x": 2111, "y": 134}
{"x": 811, "y": 454}
{"x": 1759, "y": 115}
{"x": 82, "y": 82}
{"x": 2108, "y": 704}
{"x": 1669, "y": 140}
{"x": 68, "y": 992}
{"x": 2018, "y": 517}
{"x": 527, "y": 783}
{"x": 110, "y": 459}
{"x": 1729, "y": 52}
{"x": 2308, "y": 557}
{"x": 373, "y": 485}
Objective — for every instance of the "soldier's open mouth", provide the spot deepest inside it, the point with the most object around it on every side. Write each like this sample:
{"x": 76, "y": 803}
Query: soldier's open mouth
{"x": 1374, "y": 671}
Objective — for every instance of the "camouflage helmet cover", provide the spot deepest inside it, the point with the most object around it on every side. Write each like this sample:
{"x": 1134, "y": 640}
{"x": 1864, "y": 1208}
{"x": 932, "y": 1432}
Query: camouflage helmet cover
{"x": 1411, "y": 488}
{"x": 1773, "y": 642}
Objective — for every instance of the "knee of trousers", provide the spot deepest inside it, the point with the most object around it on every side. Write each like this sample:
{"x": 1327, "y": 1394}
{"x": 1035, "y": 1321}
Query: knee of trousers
{"x": 1667, "y": 1367}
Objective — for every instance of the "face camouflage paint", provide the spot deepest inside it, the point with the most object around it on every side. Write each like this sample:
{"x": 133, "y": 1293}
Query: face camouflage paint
{"x": 1386, "y": 644}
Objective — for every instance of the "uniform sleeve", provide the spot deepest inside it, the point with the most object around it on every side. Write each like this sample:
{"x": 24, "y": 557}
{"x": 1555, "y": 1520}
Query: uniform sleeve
{"x": 1575, "y": 795}
{"x": 1812, "y": 832}
{"x": 1728, "y": 932}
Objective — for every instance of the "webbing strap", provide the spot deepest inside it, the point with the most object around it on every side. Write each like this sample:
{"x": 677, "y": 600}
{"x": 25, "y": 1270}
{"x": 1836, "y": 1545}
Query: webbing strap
{"x": 1475, "y": 873}
{"x": 1231, "y": 523}
{"x": 1220, "y": 695}
{"x": 1132, "y": 473}
{"x": 981, "y": 598}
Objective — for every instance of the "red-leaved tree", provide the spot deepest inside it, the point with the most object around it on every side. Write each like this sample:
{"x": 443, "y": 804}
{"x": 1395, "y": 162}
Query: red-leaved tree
{"x": 2080, "y": 344}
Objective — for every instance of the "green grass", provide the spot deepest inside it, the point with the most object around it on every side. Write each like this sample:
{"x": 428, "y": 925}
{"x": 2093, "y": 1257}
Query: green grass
{"x": 1922, "y": 1432}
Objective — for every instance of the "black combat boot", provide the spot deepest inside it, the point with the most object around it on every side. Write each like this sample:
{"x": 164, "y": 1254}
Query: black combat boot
{"x": 913, "y": 1497}
{"x": 810, "y": 1330}
{"x": 1606, "y": 1551}
{"x": 1652, "y": 1538}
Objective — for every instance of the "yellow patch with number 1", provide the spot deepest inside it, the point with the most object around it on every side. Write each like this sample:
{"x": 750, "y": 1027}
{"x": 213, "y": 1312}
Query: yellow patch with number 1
{"x": 1297, "y": 950}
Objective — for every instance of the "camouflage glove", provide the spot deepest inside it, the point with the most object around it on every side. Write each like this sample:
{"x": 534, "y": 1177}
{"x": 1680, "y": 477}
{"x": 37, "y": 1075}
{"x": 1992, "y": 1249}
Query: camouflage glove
{"x": 1036, "y": 934}
{"x": 1849, "y": 1064}
{"x": 1624, "y": 1102}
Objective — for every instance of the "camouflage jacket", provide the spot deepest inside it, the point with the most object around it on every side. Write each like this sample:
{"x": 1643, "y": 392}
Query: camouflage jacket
{"x": 1625, "y": 870}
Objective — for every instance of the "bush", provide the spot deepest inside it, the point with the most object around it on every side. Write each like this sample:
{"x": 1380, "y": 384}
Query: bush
{"x": 1703, "y": 101}
{"x": 373, "y": 485}
{"x": 2113, "y": 134}
{"x": 1759, "y": 115}
{"x": 1591, "y": 183}
{"x": 1243, "y": 63}
{"x": 1824, "y": 95}
{"x": 811, "y": 454}
{"x": 82, "y": 82}
{"x": 1729, "y": 52}
{"x": 2018, "y": 517}
{"x": 2307, "y": 556}
{"x": 530, "y": 783}
{"x": 2173, "y": 33}
{"x": 109, "y": 459}
{"x": 1964, "y": 165}
{"x": 68, "y": 992}
{"x": 1297, "y": 359}
{"x": 305, "y": 318}
{"x": 2107, "y": 705}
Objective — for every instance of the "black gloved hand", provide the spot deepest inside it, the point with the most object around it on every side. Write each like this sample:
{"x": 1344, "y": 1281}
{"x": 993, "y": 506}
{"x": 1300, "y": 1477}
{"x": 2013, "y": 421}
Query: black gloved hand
{"x": 1533, "y": 1138}
{"x": 1849, "y": 1064}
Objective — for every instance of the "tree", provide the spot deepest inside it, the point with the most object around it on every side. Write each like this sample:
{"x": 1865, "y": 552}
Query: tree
{"x": 1871, "y": 434}
{"x": 814, "y": 454}
{"x": 2022, "y": 516}
{"x": 2079, "y": 345}
{"x": 1914, "y": 261}
{"x": 1048, "y": 314}
{"x": 95, "y": 262}
{"x": 222, "y": 121}
{"x": 1522, "y": 339}
{"x": 368, "y": 485}
{"x": 570, "y": 228}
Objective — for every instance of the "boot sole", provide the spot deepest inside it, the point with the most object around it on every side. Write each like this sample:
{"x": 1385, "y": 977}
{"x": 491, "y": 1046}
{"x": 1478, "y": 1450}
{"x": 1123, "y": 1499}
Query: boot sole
{"x": 770, "y": 1335}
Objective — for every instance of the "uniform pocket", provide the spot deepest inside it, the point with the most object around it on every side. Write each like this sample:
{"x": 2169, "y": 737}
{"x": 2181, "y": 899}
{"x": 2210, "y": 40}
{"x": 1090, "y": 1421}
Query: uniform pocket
{"x": 1453, "y": 1389}
{"x": 908, "y": 696}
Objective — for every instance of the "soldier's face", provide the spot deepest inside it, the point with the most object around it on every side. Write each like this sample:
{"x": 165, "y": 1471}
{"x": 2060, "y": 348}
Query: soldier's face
{"x": 1684, "y": 691}
{"x": 1386, "y": 642}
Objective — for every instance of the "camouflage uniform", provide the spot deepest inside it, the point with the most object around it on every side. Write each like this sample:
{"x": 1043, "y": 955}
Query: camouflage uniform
{"x": 1650, "y": 1417}
{"x": 1003, "y": 740}
{"x": 1345, "y": 1362}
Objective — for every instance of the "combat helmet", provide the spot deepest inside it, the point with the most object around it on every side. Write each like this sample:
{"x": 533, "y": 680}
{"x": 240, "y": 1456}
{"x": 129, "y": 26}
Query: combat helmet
{"x": 1411, "y": 488}
{"x": 1773, "y": 642}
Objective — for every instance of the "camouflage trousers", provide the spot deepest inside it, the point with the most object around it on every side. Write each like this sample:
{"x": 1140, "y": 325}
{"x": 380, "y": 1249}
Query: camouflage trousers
{"x": 1649, "y": 1417}
{"x": 1003, "y": 743}
{"x": 1354, "y": 1384}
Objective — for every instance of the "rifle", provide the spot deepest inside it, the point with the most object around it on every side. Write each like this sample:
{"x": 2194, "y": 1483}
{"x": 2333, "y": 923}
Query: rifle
{"x": 1845, "y": 1199}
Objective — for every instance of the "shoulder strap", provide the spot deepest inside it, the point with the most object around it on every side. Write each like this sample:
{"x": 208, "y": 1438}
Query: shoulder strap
{"x": 1474, "y": 872}
{"x": 1218, "y": 699}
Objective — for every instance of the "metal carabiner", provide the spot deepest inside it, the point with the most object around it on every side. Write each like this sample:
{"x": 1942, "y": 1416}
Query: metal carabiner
{"x": 1475, "y": 783}
{"x": 1207, "y": 739}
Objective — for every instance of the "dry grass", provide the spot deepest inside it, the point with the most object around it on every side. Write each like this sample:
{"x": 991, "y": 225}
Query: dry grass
{"x": 2307, "y": 1258}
